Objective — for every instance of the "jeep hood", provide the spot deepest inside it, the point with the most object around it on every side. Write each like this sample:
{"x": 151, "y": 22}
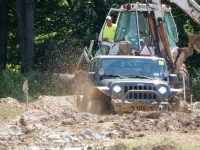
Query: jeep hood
{"x": 109, "y": 82}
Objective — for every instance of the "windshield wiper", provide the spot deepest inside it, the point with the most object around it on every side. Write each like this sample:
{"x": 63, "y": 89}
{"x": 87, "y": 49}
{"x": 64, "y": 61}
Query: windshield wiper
{"x": 123, "y": 77}
{"x": 115, "y": 75}
{"x": 142, "y": 77}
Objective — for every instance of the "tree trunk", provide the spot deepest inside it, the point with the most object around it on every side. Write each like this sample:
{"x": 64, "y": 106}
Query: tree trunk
{"x": 30, "y": 51}
{"x": 69, "y": 2}
{"x": 3, "y": 33}
{"x": 25, "y": 18}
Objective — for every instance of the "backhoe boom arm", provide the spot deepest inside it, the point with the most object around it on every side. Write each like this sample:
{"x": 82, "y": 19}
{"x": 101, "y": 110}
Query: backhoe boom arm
{"x": 190, "y": 7}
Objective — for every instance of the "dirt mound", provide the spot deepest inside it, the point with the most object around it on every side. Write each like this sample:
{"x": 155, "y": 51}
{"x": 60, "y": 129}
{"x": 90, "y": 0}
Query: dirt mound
{"x": 157, "y": 146}
{"x": 11, "y": 103}
{"x": 52, "y": 103}
{"x": 163, "y": 146}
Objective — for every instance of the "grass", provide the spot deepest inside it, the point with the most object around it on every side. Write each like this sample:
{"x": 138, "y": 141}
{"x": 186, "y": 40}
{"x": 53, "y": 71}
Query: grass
{"x": 181, "y": 146}
{"x": 7, "y": 112}
{"x": 139, "y": 142}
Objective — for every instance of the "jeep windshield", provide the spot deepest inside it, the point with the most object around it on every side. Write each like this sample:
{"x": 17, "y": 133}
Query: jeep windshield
{"x": 133, "y": 67}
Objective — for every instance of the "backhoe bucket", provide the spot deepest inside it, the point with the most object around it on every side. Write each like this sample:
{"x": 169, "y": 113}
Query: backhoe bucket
{"x": 194, "y": 40}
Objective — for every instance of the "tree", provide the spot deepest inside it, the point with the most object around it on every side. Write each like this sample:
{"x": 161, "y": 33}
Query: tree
{"x": 3, "y": 33}
{"x": 25, "y": 19}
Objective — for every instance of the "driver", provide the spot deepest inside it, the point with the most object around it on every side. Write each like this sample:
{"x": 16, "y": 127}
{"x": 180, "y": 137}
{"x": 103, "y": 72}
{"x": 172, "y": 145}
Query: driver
{"x": 147, "y": 71}
{"x": 109, "y": 30}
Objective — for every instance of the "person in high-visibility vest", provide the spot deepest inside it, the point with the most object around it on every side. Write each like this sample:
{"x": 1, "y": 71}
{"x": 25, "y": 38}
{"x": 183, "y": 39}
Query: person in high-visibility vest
{"x": 109, "y": 30}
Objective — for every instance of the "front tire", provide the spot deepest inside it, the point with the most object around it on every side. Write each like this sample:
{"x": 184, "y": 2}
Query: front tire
{"x": 95, "y": 107}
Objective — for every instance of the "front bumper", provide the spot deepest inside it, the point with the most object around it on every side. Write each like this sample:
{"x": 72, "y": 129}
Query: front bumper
{"x": 139, "y": 100}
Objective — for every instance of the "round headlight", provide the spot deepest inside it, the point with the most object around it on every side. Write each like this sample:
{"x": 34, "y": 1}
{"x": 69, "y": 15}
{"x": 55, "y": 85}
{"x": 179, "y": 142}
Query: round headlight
{"x": 117, "y": 89}
{"x": 101, "y": 72}
{"x": 162, "y": 90}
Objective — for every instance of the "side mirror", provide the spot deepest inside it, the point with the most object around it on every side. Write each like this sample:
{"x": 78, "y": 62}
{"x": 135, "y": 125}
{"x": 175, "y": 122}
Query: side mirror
{"x": 166, "y": 74}
{"x": 173, "y": 79}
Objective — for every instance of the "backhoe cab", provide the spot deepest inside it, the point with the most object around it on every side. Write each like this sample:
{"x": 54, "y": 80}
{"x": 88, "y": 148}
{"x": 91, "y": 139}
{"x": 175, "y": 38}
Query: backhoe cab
{"x": 136, "y": 27}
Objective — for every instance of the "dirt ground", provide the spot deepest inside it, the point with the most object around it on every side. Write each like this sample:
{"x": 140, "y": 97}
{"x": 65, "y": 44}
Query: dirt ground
{"x": 54, "y": 123}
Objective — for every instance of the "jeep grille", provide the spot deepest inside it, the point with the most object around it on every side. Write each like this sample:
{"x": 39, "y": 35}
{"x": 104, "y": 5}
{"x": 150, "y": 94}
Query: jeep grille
{"x": 143, "y": 95}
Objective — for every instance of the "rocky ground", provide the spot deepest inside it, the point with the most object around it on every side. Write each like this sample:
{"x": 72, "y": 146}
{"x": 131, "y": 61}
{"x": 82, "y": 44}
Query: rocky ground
{"x": 53, "y": 123}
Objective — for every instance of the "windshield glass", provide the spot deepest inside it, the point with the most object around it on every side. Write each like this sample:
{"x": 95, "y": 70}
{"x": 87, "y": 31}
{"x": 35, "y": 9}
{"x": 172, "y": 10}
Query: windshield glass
{"x": 137, "y": 34}
{"x": 171, "y": 29}
{"x": 130, "y": 67}
{"x": 127, "y": 29}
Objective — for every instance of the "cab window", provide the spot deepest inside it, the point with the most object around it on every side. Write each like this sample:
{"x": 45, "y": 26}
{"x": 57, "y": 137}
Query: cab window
{"x": 171, "y": 29}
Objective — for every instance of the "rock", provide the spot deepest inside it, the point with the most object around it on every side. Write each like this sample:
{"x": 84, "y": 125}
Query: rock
{"x": 53, "y": 137}
{"x": 88, "y": 132}
{"x": 171, "y": 128}
{"x": 71, "y": 138}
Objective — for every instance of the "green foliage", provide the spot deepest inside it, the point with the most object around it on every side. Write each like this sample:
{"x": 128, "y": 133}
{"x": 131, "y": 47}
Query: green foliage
{"x": 58, "y": 58}
{"x": 193, "y": 61}
{"x": 9, "y": 83}
{"x": 62, "y": 31}
{"x": 13, "y": 52}
{"x": 39, "y": 83}
{"x": 173, "y": 142}
{"x": 13, "y": 68}
{"x": 192, "y": 64}
{"x": 195, "y": 86}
